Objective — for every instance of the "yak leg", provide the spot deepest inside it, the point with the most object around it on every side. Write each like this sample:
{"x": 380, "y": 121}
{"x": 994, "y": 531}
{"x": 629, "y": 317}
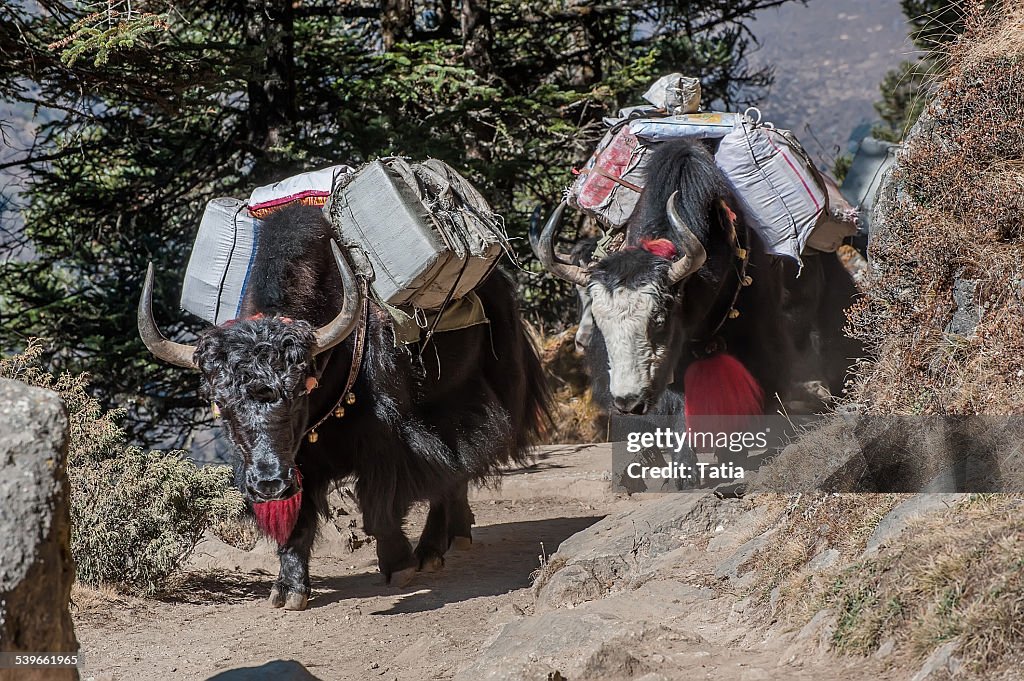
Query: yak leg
{"x": 395, "y": 558}
{"x": 460, "y": 518}
{"x": 291, "y": 590}
{"x": 449, "y": 522}
{"x": 434, "y": 539}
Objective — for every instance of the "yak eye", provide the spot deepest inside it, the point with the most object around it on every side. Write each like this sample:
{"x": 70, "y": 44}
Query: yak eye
{"x": 263, "y": 393}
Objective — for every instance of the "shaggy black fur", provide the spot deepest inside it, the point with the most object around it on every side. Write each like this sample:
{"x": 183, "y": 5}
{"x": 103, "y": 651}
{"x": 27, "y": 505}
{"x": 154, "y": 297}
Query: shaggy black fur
{"x": 420, "y": 429}
{"x": 789, "y": 329}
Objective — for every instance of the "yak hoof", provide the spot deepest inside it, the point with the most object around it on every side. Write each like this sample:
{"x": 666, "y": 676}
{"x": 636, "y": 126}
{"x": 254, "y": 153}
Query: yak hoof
{"x": 296, "y": 601}
{"x": 276, "y": 599}
{"x": 462, "y": 543}
{"x": 401, "y": 578}
{"x": 432, "y": 563}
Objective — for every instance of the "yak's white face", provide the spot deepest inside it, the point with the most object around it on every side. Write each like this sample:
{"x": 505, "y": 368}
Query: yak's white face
{"x": 638, "y": 338}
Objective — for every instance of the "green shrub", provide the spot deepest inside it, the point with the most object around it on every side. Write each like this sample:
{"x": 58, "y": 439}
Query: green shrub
{"x": 136, "y": 516}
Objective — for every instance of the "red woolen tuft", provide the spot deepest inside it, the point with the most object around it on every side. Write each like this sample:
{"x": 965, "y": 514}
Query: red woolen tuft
{"x": 721, "y": 386}
{"x": 663, "y": 248}
{"x": 277, "y": 519}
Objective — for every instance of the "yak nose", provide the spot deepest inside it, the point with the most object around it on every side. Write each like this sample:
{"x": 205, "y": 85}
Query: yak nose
{"x": 630, "y": 404}
{"x": 268, "y": 488}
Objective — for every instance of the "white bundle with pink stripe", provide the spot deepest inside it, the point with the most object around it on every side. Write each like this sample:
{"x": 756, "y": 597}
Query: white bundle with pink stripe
{"x": 783, "y": 194}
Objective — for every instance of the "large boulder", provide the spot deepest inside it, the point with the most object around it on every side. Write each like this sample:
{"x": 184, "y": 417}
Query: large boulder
{"x": 36, "y": 569}
{"x": 278, "y": 670}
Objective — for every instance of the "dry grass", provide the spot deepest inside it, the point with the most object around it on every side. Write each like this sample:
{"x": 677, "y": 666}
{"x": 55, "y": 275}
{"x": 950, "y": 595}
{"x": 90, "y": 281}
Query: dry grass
{"x": 957, "y": 576}
{"x": 954, "y": 211}
{"x": 576, "y": 417}
{"x": 87, "y": 599}
{"x": 239, "y": 532}
{"x": 805, "y": 527}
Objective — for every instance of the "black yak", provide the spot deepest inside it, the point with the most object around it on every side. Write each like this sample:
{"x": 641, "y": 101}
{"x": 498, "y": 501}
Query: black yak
{"x": 694, "y": 313}
{"x": 313, "y": 388}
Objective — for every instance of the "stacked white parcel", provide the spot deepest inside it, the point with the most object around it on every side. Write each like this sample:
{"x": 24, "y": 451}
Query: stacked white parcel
{"x": 428, "y": 235}
{"x": 790, "y": 203}
{"x": 218, "y": 269}
{"x": 420, "y": 232}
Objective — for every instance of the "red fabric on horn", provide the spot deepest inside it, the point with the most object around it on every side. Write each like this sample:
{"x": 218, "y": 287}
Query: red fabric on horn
{"x": 720, "y": 386}
{"x": 277, "y": 519}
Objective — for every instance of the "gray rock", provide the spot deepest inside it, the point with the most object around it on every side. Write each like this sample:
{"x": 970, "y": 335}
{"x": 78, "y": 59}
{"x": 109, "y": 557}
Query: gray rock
{"x": 570, "y": 586}
{"x": 730, "y": 568}
{"x": 613, "y": 549}
{"x": 823, "y": 560}
{"x": 885, "y": 650}
{"x": 598, "y": 640}
{"x": 968, "y": 313}
{"x": 899, "y": 518}
{"x": 627, "y": 549}
{"x": 818, "y": 631}
{"x": 941, "y": 664}
{"x": 278, "y": 670}
{"x": 36, "y": 569}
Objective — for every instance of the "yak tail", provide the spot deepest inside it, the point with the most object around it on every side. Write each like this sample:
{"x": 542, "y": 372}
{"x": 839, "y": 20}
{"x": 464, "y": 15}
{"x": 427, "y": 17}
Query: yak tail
{"x": 538, "y": 420}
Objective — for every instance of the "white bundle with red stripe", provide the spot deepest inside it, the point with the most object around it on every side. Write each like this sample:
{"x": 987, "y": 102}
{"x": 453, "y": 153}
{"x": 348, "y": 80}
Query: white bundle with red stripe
{"x": 310, "y": 189}
{"x": 782, "y": 193}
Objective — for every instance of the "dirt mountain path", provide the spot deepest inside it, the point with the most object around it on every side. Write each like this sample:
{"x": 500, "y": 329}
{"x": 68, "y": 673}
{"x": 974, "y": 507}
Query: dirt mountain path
{"x": 357, "y": 628}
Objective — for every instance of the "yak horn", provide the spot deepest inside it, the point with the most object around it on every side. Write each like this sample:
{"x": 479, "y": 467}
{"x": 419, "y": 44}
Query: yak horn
{"x": 339, "y": 328}
{"x": 694, "y": 254}
{"x": 179, "y": 354}
{"x": 544, "y": 248}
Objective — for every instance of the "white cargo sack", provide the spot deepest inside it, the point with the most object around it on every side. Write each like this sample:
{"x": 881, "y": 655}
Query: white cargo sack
{"x": 780, "y": 190}
{"x": 840, "y": 221}
{"x": 609, "y": 185}
{"x": 675, "y": 93}
{"x": 310, "y": 189}
{"x": 218, "y": 269}
{"x": 696, "y": 126}
{"x": 427, "y": 234}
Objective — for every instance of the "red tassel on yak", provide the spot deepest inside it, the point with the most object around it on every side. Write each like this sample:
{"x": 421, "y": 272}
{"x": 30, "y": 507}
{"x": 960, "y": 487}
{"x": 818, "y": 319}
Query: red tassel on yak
{"x": 720, "y": 386}
{"x": 277, "y": 519}
{"x": 663, "y": 248}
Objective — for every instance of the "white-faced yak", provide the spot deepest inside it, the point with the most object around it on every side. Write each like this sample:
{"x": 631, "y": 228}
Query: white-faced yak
{"x": 693, "y": 313}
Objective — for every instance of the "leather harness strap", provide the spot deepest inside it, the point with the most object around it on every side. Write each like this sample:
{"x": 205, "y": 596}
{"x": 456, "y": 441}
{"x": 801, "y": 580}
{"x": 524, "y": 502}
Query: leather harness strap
{"x": 714, "y": 343}
{"x": 347, "y": 396}
{"x": 617, "y": 180}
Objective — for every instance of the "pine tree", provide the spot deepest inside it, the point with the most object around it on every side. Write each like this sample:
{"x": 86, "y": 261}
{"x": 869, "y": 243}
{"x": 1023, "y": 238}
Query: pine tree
{"x": 163, "y": 106}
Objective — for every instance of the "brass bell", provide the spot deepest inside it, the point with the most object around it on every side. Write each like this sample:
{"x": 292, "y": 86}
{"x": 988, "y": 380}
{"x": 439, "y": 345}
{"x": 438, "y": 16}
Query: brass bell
{"x": 748, "y": 280}
{"x": 215, "y": 409}
{"x": 313, "y": 436}
{"x": 734, "y": 313}
{"x": 339, "y": 412}
{"x": 741, "y": 253}
{"x": 350, "y": 398}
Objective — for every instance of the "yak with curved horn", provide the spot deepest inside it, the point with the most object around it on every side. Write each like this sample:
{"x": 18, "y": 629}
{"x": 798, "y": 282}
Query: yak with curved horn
{"x": 693, "y": 312}
{"x": 313, "y": 388}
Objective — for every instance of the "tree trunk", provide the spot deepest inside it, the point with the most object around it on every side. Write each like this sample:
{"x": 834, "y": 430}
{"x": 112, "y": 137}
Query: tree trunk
{"x": 476, "y": 36}
{"x": 476, "y": 53}
{"x": 396, "y": 22}
{"x": 446, "y": 20}
{"x": 269, "y": 29}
